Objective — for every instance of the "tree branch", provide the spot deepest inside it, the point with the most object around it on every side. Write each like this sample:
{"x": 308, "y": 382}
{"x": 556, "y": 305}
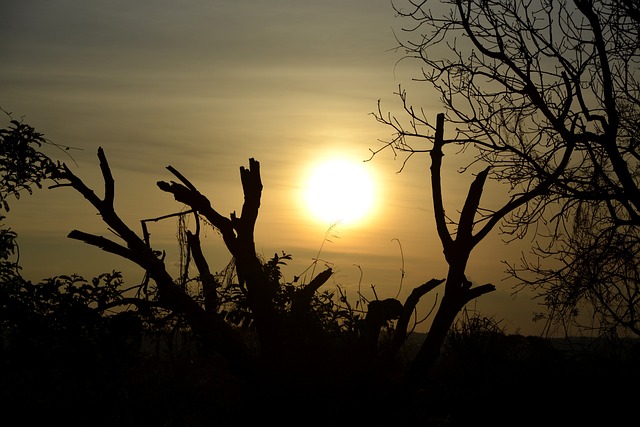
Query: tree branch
{"x": 436, "y": 185}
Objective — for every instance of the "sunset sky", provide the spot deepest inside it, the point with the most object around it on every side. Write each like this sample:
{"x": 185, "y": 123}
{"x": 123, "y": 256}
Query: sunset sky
{"x": 205, "y": 85}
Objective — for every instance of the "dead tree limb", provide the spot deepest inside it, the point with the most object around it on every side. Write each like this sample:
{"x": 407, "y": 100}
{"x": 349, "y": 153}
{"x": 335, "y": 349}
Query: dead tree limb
{"x": 458, "y": 290}
{"x": 402, "y": 325}
{"x": 238, "y": 236}
{"x": 215, "y": 332}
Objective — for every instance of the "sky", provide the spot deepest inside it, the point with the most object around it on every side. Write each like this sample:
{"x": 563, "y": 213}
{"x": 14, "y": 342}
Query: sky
{"x": 205, "y": 85}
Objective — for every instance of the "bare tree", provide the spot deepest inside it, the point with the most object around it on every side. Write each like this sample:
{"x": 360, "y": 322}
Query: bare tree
{"x": 138, "y": 250}
{"x": 473, "y": 225}
{"x": 546, "y": 94}
{"x": 256, "y": 280}
{"x": 287, "y": 319}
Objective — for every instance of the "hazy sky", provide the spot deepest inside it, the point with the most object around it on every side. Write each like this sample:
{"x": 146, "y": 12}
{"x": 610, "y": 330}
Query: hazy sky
{"x": 205, "y": 85}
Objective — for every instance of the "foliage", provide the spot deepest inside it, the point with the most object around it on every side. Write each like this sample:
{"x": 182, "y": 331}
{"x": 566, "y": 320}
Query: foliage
{"x": 471, "y": 330}
{"x": 22, "y": 164}
{"x": 60, "y": 310}
{"x": 331, "y": 317}
{"x": 9, "y": 268}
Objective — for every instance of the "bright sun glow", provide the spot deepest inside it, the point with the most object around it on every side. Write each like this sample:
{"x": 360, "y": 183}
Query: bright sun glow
{"x": 339, "y": 190}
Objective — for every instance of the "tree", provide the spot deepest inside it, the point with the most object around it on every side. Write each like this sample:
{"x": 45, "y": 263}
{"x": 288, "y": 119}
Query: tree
{"x": 457, "y": 247}
{"x": 546, "y": 94}
{"x": 288, "y": 333}
{"x": 298, "y": 328}
{"x": 254, "y": 280}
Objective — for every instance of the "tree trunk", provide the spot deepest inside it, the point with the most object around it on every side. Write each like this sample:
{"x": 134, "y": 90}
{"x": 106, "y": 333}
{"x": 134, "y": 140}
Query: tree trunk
{"x": 458, "y": 290}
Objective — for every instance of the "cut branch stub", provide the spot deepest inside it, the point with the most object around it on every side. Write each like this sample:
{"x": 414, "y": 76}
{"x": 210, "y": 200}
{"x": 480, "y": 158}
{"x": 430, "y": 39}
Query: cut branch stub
{"x": 402, "y": 325}
{"x": 470, "y": 208}
{"x": 436, "y": 185}
{"x": 252, "y": 188}
{"x": 304, "y": 296}
{"x": 208, "y": 280}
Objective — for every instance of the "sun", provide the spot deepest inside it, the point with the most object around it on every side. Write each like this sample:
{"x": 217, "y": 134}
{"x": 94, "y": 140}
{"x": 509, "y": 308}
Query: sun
{"x": 339, "y": 190}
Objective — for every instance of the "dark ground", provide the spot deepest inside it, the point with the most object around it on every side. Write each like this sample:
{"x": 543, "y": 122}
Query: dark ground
{"x": 505, "y": 380}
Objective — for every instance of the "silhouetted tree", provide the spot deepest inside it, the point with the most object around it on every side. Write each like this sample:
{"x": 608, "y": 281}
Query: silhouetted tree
{"x": 292, "y": 323}
{"x": 546, "y": 95}
{"x": 290, "y": 331}
{"x": 237, "y": 233}
{"x": 457, "y": 246}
